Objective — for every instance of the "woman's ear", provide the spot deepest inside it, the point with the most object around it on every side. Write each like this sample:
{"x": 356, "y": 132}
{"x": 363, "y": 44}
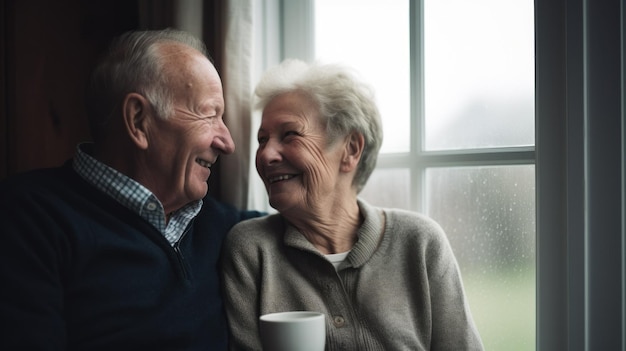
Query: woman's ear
{"x": 354, "y": 145}
{"x": 135, "y": 109}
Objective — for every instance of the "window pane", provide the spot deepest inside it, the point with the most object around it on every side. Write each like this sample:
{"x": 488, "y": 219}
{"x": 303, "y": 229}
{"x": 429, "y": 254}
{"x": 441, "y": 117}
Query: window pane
{"x": 488, "y": 214}
{"x": 388, "y": 188}
{"x": 375, "y": 41}
{"x": 478, "y": 73}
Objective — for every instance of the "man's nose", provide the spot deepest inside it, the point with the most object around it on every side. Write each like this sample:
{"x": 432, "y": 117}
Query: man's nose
{"x": 224, "y": 141}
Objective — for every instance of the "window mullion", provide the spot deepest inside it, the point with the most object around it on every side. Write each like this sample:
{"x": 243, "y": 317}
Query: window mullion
{"x": 417, "y": 104}
{"x": 480, "y": 157}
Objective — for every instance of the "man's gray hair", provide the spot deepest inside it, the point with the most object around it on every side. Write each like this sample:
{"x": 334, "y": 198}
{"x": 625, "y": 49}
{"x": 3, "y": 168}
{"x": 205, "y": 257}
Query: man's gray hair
{"x": 133, "y": 64}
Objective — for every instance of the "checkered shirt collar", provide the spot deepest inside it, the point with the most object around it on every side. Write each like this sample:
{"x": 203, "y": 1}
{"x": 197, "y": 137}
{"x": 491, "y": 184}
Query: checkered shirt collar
{"x": 133, "y": 195}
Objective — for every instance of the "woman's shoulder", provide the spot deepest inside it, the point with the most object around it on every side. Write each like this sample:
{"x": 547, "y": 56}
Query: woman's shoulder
{"x": 266, "y": 222}
{"x": 414, "y": 226}
{"x": 257, "y": 229}
{"x": 411, "y": 220}
{"x": 419, "y": 234}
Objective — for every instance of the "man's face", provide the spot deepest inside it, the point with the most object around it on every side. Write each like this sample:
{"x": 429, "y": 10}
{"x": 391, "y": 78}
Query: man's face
{"x": 183, "y": 147}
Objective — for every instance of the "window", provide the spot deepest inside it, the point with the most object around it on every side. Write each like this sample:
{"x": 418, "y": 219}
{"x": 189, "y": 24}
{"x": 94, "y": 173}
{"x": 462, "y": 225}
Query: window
{"x": 455, "y": 86}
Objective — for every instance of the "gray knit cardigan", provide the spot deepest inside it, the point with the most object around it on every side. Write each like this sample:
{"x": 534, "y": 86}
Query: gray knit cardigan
{"x": 398, "y": 289}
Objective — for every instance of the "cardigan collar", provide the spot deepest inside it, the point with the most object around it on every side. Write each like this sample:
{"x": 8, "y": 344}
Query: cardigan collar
{"x": 369, "y": 236}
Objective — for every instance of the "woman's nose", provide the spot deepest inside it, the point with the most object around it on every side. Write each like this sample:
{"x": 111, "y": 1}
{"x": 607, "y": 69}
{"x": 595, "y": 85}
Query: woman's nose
{"x": 268, "y": 153}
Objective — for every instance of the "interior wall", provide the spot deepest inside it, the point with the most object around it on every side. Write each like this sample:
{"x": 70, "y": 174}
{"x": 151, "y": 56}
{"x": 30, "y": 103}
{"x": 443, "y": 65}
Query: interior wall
{"x": 48, "y": 49}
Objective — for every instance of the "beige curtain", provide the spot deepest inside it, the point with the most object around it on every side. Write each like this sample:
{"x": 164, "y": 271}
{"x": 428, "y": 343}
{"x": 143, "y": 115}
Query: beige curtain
{"x": 237, "y": 75}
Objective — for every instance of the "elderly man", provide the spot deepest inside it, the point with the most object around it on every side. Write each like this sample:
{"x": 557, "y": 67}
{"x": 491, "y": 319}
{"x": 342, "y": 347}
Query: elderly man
{"x": 117, "y": 249}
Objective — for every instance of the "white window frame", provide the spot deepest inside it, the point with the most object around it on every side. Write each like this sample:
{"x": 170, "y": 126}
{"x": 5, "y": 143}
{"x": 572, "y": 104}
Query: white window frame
{"x": 579, "y": 154}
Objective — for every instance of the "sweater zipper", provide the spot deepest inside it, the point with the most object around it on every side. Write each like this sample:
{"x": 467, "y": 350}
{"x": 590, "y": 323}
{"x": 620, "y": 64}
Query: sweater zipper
{"x": 179, "y": 253}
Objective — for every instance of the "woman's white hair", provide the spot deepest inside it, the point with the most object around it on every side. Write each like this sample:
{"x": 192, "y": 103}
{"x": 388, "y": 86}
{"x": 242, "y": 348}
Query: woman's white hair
{"x": 346, "y": 104}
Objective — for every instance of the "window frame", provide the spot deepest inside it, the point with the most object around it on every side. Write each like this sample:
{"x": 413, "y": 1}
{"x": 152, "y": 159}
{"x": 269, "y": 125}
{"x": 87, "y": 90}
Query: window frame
{"x": 580, "y": 104}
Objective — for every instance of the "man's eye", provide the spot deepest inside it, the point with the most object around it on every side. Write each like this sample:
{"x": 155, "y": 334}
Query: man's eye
{"x": 262, "y": 140}
{"x": 291, "y": 133}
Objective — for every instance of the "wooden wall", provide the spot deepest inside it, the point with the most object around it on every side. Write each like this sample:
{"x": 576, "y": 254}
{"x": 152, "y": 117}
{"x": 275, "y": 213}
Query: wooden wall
{"x": 47, "y": 50}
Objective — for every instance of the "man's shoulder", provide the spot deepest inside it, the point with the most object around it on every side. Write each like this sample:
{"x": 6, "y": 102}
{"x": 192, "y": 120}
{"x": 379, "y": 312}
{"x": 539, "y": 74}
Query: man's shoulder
{"x": 222, "y": 208}
{"x": 217, "y": 211}
{"x": 38, "y": 180}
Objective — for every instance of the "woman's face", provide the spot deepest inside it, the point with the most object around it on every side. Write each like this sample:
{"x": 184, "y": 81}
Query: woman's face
{"x": 298, "y": 167}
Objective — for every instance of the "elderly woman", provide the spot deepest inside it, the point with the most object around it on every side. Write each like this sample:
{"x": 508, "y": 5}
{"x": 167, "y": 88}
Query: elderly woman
{"x": 386, "y": 279}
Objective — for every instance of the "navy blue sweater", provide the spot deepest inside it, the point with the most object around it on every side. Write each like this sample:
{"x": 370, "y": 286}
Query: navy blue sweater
{"x": 81, "y": 272}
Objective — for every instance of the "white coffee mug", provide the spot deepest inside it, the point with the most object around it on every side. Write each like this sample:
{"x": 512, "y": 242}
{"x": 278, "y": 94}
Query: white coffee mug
{"x": 293, "y": 331}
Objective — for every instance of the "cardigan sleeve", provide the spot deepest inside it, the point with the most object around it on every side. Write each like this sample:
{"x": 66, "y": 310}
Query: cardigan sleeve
{"x": 452, "y": 324}
{"x": 240, "y": 269}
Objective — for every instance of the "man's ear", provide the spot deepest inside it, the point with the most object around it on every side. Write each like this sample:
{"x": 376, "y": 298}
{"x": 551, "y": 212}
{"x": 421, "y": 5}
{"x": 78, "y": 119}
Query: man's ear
{"x": 136, "y": 109}
{"x": 353, "y": 149}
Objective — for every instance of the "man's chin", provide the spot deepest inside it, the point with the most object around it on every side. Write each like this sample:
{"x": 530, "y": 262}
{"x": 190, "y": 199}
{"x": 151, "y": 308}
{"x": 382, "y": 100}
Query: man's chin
{"x": 199, "y": 191}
